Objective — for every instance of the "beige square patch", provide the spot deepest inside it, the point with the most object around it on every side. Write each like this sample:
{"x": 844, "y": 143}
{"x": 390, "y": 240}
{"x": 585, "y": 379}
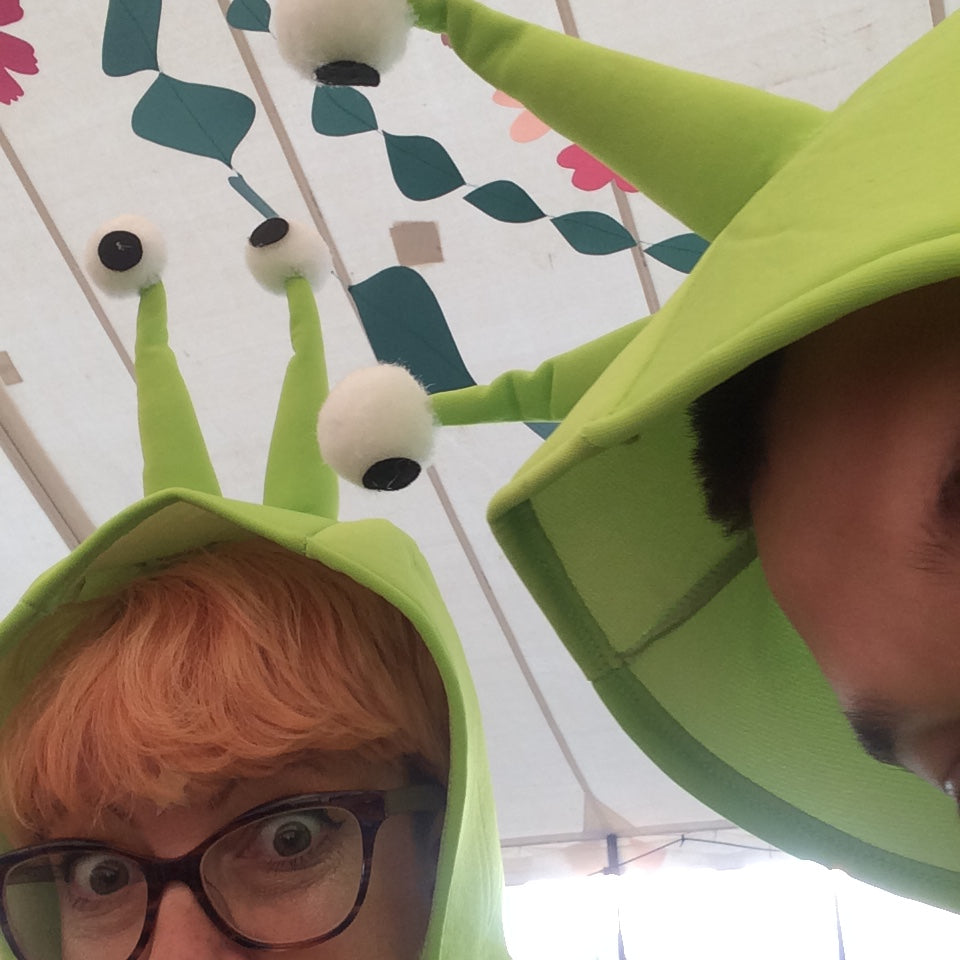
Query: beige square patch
{"x": 416, "y": 243}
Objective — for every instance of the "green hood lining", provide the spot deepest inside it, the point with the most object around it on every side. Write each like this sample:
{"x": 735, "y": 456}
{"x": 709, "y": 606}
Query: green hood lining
{"x": 687, "y": 760}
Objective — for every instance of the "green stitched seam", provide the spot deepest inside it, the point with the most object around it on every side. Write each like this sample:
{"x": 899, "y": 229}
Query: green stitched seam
{"x": 728, "y": 568}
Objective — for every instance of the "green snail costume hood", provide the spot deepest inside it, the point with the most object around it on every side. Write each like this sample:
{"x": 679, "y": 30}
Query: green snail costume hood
{"x": 183, "y": 510}
{"x": 811, "y": 215}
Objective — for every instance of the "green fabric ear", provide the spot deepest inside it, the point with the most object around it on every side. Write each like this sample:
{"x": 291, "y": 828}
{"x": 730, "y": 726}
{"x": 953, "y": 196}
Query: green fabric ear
{"x": 297, "y": 478}
{"x": 547, "y": 393}
{"x": 698, "y": 147}
{"x": 174, "y": 452}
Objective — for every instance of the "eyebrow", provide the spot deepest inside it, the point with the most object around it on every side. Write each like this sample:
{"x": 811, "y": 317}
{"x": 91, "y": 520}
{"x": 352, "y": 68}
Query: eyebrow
{"x": 876, "y": 731}
{"x": 213, "y": 802}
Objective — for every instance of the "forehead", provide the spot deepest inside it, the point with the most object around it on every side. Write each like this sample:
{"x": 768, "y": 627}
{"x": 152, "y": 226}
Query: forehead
{"x": 140, "y": 824}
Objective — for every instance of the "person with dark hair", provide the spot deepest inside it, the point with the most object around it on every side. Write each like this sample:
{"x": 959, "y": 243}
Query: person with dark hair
{"x": 730, "y": 425}
{"x": 744, "y": 525}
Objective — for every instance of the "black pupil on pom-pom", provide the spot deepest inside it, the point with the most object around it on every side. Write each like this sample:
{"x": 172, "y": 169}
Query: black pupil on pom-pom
{"x": 270, "y": 231}
{"x": 347, "y": 73}
{"x": 394, "y": 474}
{"x": 120, "y": 250}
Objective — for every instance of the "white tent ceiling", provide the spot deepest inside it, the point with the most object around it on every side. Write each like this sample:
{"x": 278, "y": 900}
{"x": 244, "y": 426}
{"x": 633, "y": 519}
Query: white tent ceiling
{"x": 512, "y": 293}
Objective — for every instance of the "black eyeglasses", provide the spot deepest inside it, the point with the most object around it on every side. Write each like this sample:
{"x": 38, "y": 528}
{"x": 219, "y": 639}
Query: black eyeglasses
{"x": 289, "y": 873}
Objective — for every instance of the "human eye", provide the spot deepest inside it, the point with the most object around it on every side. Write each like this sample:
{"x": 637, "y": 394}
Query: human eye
{"x": 293, "y": 841}
{"x": 98, "y": 881}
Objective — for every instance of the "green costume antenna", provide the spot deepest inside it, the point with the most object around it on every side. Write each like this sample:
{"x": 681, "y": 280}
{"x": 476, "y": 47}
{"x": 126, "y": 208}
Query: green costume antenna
{"x": 297, "y": 477}
{"x": 659, "y": 127}
{"x": 174, "y": 452}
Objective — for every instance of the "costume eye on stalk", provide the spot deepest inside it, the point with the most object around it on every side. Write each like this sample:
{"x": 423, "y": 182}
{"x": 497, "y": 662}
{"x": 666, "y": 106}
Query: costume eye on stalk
{"x": 126, "y": 255}
{"x": 280, "y": 249}
{"x": 344, "y": 43}
{"x": 376, "y": 428}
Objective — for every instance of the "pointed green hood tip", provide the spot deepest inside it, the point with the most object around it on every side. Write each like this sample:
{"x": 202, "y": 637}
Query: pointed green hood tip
{"x": 184, "y": 511}
{"x": 697, "y": 146}
{"x": 672, "y": 621}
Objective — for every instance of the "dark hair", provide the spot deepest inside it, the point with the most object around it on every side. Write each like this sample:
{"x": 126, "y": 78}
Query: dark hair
{"x": 729, "y": 423}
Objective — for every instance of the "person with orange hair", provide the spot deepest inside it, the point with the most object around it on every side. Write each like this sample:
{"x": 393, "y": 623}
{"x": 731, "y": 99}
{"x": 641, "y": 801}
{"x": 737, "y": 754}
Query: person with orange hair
{"x": 232, "y": 728}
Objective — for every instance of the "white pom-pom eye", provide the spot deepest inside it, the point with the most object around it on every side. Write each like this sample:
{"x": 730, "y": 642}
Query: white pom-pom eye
{"x": 126, "y": 255}
{"x": 280, "y": 249}
{"x": 328, "y": 41}
{"x": 376, "y": 428}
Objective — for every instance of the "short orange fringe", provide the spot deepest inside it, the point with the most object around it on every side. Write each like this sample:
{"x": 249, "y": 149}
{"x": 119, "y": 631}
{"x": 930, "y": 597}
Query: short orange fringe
{"x": 223, "y": 665}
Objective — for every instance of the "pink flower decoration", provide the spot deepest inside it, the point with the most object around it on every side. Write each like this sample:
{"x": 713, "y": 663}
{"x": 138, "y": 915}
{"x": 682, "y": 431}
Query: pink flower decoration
{"x": 15, "y": 54}
{"x": 526, "y": 128}
{"x": 588, "y": 172}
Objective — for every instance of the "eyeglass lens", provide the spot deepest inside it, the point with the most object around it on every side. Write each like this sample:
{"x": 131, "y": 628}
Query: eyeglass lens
{"x": 279, "y": 880}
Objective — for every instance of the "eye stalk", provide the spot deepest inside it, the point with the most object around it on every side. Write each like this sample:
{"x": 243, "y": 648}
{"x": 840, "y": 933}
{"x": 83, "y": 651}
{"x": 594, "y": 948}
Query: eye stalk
{"x": 343, "y": 43}
{"x": 126, "y": 255}
{"x": 376, "y": 428}
{"x": 280, "y": 249}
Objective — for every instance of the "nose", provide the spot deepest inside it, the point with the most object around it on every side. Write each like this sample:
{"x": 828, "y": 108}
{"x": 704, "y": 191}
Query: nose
{"x": 184, "y": 932}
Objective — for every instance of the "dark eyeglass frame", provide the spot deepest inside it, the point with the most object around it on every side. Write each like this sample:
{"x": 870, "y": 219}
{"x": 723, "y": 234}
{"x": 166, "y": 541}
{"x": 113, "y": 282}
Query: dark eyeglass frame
{"x": 369, "y": 807}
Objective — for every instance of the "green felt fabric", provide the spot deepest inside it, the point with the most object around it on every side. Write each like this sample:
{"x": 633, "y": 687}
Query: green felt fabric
{"x": 297, "y": 478}
{"x": 605, "y": 523}
{"x": 597, "y": 98}
{"x": 174, "y": 451}
{"x": 546, "y": 394}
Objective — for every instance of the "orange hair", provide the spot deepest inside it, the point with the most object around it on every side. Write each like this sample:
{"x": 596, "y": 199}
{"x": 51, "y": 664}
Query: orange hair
{"x": 222, "y": 665}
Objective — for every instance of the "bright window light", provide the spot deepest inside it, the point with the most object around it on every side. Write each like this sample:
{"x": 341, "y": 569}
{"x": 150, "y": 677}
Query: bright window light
{"x": 782, "y": 908}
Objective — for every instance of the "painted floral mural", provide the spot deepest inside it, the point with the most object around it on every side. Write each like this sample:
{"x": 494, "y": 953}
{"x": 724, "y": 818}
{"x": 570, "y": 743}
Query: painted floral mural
{"x": 16, "y": 55}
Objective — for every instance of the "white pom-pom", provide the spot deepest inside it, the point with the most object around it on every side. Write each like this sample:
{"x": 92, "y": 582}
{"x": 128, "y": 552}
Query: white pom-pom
{"x": 376, "y": 428}
{"x": 126, "y": 255}
{"x": 312, "y": 34}
{"x": 280, "y": 249}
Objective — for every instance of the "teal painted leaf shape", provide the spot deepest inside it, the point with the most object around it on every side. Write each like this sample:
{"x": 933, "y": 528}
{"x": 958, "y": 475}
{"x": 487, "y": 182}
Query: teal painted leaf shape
{"x": 421, "y": 167}
{"x": 505, "y": 201}
{"x": 249, "y": 15}
{"x": 130, "y": 37}
{"x": 342, "y": 112}
{"x": 208, "y": 121}
{"x": 252, "y": 197}
{"x": 543, "y": 429}
{"x": 682, "y": 253}
{"x": 593, "y": 233}
{"x": 405, "y": 324}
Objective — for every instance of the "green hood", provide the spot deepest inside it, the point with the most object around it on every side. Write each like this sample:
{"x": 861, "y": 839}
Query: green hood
{"x": 174, "y": 518}
{"x": 812, "y": 215}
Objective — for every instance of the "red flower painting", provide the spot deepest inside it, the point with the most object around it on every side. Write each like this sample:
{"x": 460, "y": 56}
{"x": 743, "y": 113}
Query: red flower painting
{"x": 588, "y": 172}
{"x": 16, "y": 55}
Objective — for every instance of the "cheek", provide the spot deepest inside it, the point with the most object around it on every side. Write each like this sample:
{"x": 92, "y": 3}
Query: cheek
{"x": 392, "y": 922}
